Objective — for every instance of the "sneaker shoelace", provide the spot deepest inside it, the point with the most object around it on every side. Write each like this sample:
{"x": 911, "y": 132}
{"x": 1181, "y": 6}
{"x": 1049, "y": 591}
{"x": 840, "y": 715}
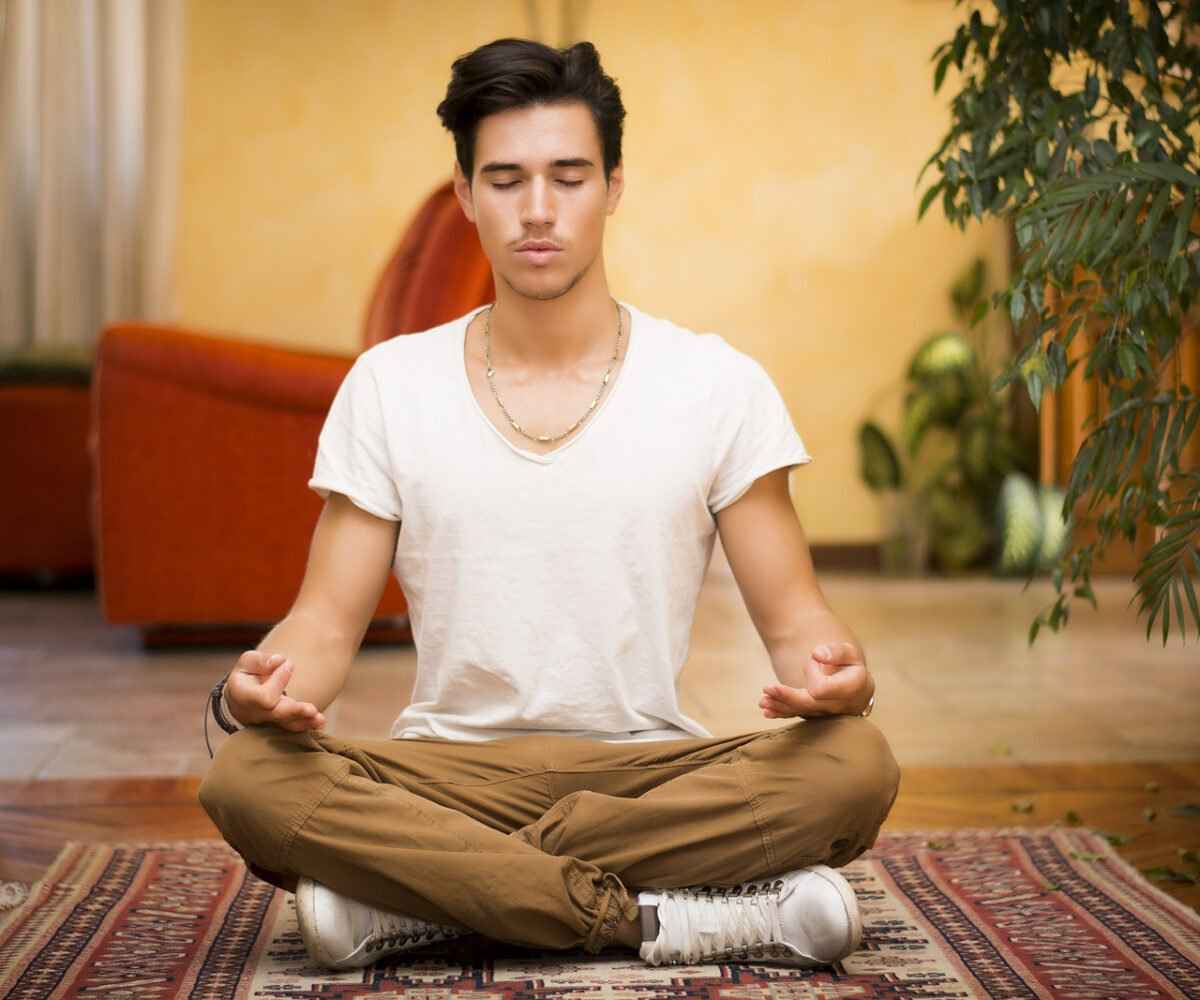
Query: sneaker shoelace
{"x": 395, "y": 929}
{"x": 695, "y": 926}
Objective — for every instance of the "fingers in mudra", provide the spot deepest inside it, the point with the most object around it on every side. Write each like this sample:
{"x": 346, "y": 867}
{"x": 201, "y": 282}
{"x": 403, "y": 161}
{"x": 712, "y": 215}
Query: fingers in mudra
{"x": 781, "y": 701}
{"x": 267, "y": 678}
{"x": 296, "y": 715}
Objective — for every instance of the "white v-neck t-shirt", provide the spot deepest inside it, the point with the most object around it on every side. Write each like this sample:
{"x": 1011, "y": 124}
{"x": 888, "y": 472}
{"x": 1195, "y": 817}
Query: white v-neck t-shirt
{"x": 553, "y": 593}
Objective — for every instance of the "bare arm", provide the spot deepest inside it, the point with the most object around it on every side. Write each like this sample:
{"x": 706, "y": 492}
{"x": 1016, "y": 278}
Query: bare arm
{"x": 349, "y": 560}
{"x": 771, "y": 562}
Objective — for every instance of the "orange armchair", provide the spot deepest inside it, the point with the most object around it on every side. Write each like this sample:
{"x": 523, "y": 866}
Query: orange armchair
{"x": 202, "y": 445}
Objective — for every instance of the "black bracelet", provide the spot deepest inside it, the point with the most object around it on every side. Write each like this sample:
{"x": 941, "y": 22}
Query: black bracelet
{"x": 218, "y": 713}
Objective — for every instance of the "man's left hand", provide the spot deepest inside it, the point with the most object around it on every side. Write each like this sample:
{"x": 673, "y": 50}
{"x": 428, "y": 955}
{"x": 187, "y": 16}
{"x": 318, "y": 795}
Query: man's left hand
{"x": 837, "y": 682}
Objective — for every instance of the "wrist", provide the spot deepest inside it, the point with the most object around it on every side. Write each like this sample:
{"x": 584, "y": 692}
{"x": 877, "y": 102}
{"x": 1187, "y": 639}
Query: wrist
{"x": 222, "y": 711}
{"x": 228, "y": 708}
{"x": 217, "y": 707}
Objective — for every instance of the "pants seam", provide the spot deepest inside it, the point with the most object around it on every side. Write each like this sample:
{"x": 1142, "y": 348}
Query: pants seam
{"x": 555, "y": 770}
{"x": 286, "y": 850}
{"x": 763, "y": 831}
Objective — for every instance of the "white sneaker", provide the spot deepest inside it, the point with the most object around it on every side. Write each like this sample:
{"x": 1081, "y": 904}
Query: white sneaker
{"x": 342, "y": 933}
{"x": 806, "y": 917}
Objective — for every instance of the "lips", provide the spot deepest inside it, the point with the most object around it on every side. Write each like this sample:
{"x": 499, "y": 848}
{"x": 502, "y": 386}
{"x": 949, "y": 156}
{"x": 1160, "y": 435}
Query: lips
{"x": 537, "y": 256}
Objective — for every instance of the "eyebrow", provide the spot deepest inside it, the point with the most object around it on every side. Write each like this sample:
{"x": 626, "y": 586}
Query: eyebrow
{"x": 494, "y": 167}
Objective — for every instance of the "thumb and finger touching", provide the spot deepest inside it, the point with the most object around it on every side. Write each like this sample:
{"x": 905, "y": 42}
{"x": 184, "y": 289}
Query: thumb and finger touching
{"x": 275, "y": 685}
{"x": 268, "y": 693}
{"x": 829, "y": 685}
{"x": 296, "y": 715}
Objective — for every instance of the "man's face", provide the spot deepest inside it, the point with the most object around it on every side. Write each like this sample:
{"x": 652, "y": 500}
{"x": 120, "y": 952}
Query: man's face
{"x": 539, "y": 175}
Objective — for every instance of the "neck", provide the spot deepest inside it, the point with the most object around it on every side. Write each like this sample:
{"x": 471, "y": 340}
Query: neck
{"x": 553, "y": 333}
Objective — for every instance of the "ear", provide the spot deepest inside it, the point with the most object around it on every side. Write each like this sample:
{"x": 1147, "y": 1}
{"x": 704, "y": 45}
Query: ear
{"x": 462, "y": 191}
{"x": 616, "y": 184}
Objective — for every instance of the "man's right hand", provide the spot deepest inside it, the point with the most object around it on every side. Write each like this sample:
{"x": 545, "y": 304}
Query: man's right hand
{"x": 255, "y": 693}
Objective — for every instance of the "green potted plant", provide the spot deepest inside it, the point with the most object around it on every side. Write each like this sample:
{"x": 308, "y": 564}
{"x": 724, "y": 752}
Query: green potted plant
{"x": 1076, "y": 121}
{"x": 959, "y": 484}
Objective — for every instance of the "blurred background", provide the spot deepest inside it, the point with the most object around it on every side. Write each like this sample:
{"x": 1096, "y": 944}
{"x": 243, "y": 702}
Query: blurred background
{"x": 210, "y": 207}
{"x": 249, "y": 168}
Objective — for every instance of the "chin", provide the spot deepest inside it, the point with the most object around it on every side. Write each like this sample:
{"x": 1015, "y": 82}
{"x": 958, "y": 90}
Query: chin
{"x": 550, "y": 287}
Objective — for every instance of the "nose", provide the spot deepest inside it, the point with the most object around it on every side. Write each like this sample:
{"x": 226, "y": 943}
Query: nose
{"x": 537, "y": 208}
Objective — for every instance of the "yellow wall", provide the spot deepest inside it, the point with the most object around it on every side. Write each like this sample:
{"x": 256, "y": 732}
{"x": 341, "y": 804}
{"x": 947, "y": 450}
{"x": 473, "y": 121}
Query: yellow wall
{"x": 771, "y": 150}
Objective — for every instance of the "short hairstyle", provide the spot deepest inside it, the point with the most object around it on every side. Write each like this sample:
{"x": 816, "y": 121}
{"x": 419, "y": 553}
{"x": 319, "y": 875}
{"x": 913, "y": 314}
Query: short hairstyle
{"x": 518, "y": 72}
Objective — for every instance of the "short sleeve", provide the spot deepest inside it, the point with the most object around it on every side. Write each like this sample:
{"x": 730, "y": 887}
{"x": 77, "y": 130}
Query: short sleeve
{"x": 352, "y": 452}
{"x": 753, "y": 432}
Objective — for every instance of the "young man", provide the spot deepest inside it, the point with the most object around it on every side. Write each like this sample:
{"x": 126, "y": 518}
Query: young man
{"x": 546, "y": 476}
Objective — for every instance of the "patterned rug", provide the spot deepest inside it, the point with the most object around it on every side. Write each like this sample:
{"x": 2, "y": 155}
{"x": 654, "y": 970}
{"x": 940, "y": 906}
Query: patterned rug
{"x": 1049, "y": 912}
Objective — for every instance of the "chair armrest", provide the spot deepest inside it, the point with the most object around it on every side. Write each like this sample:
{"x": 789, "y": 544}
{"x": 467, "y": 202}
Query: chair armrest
{"x": 201, "y": 450}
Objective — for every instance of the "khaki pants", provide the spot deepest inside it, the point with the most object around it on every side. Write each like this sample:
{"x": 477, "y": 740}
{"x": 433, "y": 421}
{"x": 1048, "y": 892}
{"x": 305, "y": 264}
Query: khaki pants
{"x": 544, "y": 840}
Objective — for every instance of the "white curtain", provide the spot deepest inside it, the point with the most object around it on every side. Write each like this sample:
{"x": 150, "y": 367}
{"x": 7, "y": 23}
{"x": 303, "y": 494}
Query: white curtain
{"x": 89, "y": 135}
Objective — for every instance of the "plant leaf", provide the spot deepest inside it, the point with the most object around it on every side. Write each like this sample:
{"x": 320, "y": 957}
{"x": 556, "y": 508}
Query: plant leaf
{"x": 1183, "y": 223}
{"x": 1156, "y": 211}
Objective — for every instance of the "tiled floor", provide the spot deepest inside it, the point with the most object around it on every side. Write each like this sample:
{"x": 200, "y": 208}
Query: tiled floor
{"x": 957, "y": 683}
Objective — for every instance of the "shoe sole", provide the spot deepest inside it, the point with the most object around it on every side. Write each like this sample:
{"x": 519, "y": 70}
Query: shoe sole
{"x": 849, "y": 901}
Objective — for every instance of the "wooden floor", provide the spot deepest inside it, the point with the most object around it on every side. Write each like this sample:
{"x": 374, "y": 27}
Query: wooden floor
{"x": 101, "y": 738}
{"x": 957, "y": 680}
{"x": 38, "y": 817}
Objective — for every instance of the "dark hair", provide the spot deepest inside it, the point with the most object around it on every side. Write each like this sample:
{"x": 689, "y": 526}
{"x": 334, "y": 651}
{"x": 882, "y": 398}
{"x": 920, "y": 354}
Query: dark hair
{"x": 517, "y": 72}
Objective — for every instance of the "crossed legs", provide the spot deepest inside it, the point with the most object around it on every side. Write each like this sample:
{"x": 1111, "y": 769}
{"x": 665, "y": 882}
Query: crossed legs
{"x": 543, "y": 840}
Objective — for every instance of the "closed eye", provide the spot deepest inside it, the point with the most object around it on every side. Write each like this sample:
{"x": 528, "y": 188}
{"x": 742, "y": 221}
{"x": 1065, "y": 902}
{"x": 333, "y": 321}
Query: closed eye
{"x": 514, "y": 183}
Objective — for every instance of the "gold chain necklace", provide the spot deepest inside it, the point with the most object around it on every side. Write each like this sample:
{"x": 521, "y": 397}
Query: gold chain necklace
{"x": 545, "y": 438}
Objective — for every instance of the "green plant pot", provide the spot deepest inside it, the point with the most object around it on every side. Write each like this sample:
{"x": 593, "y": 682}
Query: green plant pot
{"x": 904, "y": 548}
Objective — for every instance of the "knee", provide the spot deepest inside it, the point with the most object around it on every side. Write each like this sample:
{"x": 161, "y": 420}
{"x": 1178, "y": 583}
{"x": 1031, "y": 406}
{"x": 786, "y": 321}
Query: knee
{"x": 225, "y": 787}
{"x": 868, "y": 776}
{"x": 873, "y": 773}
{"x": 877, "y": 760}
{"x": 245, "y": 787}
{"x": 870, "y": 788}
